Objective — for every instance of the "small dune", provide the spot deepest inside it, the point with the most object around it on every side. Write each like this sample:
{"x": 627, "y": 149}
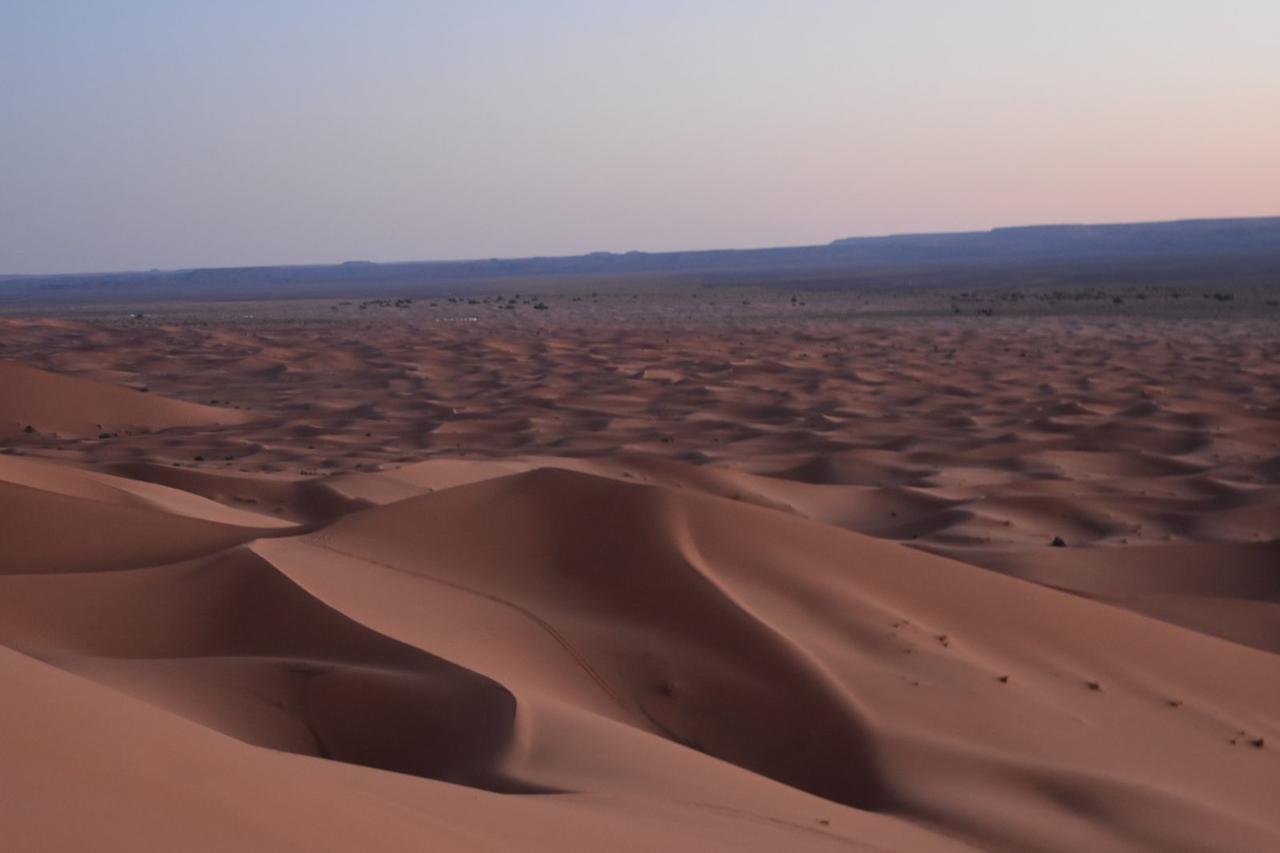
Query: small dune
{"x": 70, "y": 406}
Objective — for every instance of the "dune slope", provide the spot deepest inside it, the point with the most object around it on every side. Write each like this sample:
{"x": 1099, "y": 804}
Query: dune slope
{"x": 48, "y": 402}
{"x": 633, "y": 643}
{"x": 881, "y": 585}
{"x": 863, "y": 671}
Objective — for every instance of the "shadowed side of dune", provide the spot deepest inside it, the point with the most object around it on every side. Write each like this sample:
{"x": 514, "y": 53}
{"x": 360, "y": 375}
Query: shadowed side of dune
{"x": 50, "y": 476}
{"x": 863, "y": 671}
{"x": 232, "y": 644}
{"x": 606, "y": 568}
{"x": 51, "y": 532}
{"x": 552, "y": 630}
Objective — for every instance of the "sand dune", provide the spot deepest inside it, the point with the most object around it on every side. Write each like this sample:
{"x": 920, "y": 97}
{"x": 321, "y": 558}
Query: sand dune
{"x": 124, "y": 491}
{"x": 104, "y": 536}
{"x": 582, "y": 591}
{"x": 65, "y": 405}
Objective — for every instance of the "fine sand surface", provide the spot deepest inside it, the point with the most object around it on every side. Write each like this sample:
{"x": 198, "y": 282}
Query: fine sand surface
{"x": 896, "y": 585}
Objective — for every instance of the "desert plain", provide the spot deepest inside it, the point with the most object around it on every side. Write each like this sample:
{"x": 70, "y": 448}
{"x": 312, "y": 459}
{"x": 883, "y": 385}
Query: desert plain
{"x": 642, "y": 569}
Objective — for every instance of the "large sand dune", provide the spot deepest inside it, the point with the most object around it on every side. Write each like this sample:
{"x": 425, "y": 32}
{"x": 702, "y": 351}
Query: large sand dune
{"x": 462, "y": 590}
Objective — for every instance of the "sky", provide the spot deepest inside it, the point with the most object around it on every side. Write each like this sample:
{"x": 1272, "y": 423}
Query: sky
{"x": 138, "y": 134}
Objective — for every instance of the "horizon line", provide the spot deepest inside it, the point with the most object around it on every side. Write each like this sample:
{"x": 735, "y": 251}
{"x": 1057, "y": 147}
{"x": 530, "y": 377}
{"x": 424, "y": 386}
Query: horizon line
{"x": 605, "y": 252}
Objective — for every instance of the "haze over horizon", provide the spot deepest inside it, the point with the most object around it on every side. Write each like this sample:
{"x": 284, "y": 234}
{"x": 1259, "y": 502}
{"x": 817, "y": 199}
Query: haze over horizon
{"x": 150, "y": 134}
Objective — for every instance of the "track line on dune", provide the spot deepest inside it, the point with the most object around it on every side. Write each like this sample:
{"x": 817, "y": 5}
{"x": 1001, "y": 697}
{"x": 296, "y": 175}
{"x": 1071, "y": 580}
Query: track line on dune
{"x": 846, "y": 710}
{"x": 319, "y": 540}
{"x": 693, "y": 558}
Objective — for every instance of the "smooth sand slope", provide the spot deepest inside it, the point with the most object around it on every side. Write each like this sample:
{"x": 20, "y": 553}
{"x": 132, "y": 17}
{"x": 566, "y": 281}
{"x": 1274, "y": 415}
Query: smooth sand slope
{"x": 67, "y": 406}
{"x": 729, "y": 617}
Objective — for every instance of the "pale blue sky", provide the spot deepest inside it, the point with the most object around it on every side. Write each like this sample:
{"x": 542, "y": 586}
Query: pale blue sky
{"x": 165, "y": 133}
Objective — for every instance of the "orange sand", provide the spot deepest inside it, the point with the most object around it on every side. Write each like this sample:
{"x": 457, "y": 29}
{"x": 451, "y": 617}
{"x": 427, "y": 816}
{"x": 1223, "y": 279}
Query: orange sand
{"x": 443, "y": 588}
